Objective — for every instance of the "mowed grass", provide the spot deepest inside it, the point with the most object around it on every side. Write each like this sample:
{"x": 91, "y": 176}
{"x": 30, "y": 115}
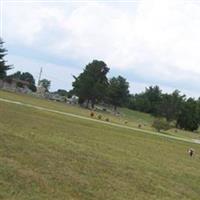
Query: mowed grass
{"x": 134, "y": 118}
{"x": 45, "y": 155}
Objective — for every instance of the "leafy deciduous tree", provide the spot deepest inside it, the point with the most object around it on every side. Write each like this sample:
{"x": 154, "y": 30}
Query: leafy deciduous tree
{"x": 118, "y": 92}
{"x": 45, "y": 83}
{"x": 170, "y": 105}
{"x": 188, "y": 118}
{"x": 91, "y": 84}
{"x": 25, "y": 76}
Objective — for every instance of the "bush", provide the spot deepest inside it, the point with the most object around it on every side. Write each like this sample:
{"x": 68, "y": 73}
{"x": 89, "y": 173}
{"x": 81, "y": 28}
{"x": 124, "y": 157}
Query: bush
{"x": 20, "y": 85}
{"x": 91, "y": 114}
{"x": 99, "y": 117}
{"x": 107, "y": 119}
{"x": 33, "y": 88}
{"x": 161, "y": 124}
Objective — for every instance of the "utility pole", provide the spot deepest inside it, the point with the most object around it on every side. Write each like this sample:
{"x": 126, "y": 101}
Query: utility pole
{"x": 40, "y": 74}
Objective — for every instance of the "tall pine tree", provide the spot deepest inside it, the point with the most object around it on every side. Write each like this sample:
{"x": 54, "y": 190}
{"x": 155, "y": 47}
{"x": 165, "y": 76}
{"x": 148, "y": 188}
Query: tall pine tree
{"x": 3, "y": 66}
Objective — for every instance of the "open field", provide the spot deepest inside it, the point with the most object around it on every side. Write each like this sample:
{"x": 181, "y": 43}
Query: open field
{"x": 45, "y": 155}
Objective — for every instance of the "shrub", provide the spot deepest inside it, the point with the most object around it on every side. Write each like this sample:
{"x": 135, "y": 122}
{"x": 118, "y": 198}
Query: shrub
{"x": 20, "y": 85}
{"x": 32, "y": 88}
{"x": 91, "y": 114}
{"x": 161, "y": 124}
{"x": 107, "y": 119}
{"x": 99, "y": 117}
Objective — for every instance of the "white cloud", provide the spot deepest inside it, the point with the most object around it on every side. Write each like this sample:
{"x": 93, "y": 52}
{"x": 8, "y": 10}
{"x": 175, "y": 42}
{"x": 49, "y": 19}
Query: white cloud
{"x": 158, "y": 40}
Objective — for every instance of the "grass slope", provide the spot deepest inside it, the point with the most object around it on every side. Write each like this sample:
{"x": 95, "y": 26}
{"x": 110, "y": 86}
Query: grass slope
{"x": 49, "y": 156}
{"x": 133, "y": 118}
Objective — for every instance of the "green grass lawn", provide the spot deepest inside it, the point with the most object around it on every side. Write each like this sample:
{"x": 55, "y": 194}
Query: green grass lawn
{"x": 45, "y": 155}
{"x": 133, "y": 118}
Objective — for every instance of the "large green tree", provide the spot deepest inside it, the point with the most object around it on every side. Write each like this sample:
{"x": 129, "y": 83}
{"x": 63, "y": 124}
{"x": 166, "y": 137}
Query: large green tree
{"x": 118, "y": 92}
{"x": 25, "y": 76}
{"x": 170, "y": 105}
{"x": 91, "y": 84}
{"x": 3, "y": 66}
{"x": 153, "y": 95}
{"x": 188, "y": 117}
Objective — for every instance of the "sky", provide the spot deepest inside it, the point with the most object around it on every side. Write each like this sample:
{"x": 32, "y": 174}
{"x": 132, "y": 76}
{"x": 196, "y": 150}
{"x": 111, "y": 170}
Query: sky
{"x": 149, "y": 42}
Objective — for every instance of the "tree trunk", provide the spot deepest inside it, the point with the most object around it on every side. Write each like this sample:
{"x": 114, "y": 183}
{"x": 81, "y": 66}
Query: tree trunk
{"x": 87, "y": 103}
{"x": 92, "y": 103}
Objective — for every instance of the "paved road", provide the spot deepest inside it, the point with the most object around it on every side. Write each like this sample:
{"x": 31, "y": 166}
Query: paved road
{"x": 194, "y": 141}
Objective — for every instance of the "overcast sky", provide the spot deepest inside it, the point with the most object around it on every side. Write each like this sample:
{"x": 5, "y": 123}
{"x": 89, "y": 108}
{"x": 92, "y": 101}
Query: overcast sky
{"x": 148, "y": 42}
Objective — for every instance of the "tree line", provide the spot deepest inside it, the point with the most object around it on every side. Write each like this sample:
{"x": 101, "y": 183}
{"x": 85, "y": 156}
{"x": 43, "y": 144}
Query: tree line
{"x": 93, "y": 86}
{"x": 185, "y": 112}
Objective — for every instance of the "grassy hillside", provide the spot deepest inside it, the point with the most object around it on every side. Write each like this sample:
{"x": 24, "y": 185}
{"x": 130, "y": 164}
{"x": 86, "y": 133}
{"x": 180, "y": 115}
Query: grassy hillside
{"x": 45, "y": 155}
{"x": 133, "y": 118}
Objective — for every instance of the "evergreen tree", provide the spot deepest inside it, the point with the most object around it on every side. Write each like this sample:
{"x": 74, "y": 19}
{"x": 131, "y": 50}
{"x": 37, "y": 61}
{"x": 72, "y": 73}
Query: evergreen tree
{"x": 3, "y": 66}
